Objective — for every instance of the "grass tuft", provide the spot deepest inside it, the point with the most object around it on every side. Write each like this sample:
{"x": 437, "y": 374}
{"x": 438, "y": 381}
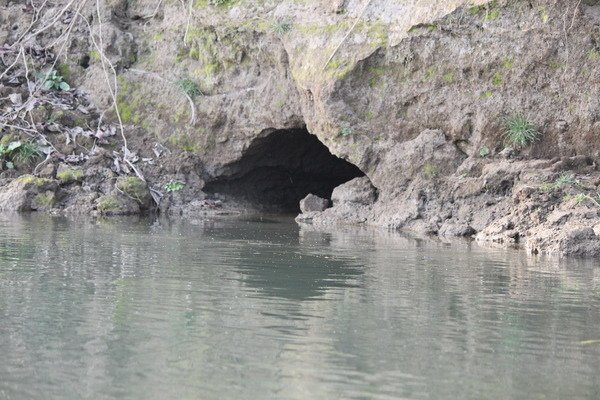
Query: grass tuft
{"x": 345, "y": 131}
{"x": 282, "y": 26}
{"x": 520, "y": 132}
{"x": 189, "y": 87}
{"x": 174, "y": 186}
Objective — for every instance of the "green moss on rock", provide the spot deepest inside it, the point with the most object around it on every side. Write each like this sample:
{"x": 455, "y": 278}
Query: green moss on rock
{"x": 69, "y": 175}
{"x": 135, "y": 188}
{"x": 34, "y": 180}
{"x": 63, "y": 70}
{"x": 44, "y": 200}
{"x": 107, "y": 204}
{"x": 6, "y": 139}
{"x": 184, "y": 142}
{"x": 497, "y": 79}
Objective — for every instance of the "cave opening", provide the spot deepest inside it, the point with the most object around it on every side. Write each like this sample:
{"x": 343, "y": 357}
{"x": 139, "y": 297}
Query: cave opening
{"x": 280, "y": 169}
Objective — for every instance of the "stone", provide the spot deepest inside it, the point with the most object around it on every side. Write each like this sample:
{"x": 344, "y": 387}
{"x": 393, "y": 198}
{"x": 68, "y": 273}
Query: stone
{"x": 313, "y": 203}
{"x": 67, "y": 174}
{"x": 116, "y": 204}
{"x": 358, "y": 190}
{"x": 20, "y": 194}
{"x": 43, "y": 201}
{"x": 136, "y": 189}
{"x": 566, "y": 241}
{"x": 48, "y": 171}
{"x": 456, "y": 230}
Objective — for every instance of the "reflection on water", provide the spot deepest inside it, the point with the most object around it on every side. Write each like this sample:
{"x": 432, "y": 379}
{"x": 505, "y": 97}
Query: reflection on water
{"x": 253, "y": 309}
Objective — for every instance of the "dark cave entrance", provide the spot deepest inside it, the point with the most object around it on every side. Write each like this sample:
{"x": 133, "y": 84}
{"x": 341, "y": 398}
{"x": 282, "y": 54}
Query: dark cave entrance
{"x": 280, "y": 169}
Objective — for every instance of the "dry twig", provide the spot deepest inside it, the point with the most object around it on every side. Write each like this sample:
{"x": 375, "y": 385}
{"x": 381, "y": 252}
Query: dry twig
{"x": 347, "y": 34}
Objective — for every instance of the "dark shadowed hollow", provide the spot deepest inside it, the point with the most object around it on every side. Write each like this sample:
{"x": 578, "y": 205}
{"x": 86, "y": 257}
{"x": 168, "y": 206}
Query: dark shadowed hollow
{"x": 278, "y": 170}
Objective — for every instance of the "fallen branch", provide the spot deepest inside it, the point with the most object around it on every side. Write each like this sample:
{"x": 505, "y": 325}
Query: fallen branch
{"x": 48, "y": 157}
{"x": 137, "y": 172}
{"x": 105, "y": 61}
{"x": 11, "y": 65}
{"x": 36, "y": 17}
{"x": 51, "y": 24}
{"x": 150, "y": 16}
{"x": 17, "y": 127}
{"x": 188, "y": 20}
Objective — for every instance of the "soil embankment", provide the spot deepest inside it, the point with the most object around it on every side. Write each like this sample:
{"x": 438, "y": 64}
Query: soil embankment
{"x": 460, "y": 118}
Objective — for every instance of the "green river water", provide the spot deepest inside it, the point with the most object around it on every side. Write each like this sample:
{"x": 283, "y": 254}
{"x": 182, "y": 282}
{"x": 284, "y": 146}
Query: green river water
{"x": 258, "y": 308}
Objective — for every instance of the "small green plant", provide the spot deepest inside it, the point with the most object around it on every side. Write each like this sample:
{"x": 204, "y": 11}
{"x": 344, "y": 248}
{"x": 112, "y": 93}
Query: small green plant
{"x": 508, "y": 63}
{"x": 4, "y": 152}
{"x": 282, "y": 26}
{"x": 430, "y": 170}
{"x": 345, "y": 131}
{"x": 219, "y": 2}
{"x": 95, "y": 55}
{"x": 188, "y": 87}
{"x": 449, "y": 77}
{"x": 29, "y": 179}
{"x": 593, "y": 55}
{"x": 45, "y": 200}
{"x": 484, "y": 151}
{"x": 135, "y": 188}
{"x": 428, "y": 27}
{"x": 580, "y": 198}
{"x": 17, "y": 151}
{"x": 429, "y": 74}
{"x": 52, "y": 80}
{"x": 564, "y": 180}
{"x": 26, "y": 152}
{"x": 490, "y": 9}
{"x": 491, "y": 15}
{"x": 107, "y": 204}
{"x": 560, "y": 182}
{"x": 497, "y": 79}
{"x": 174, "y": 186}
{"x": 519, "y": 131}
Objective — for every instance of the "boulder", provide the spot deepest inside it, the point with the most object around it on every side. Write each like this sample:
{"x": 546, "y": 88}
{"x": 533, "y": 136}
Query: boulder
{"x": 117, "y": 204}
{"x": 358, "y": 191}
{"x": 67, "y": 174}
{"x": 136, "y": 189}
{"x": 313, "y": 203}
{"x": 27, "y": 193}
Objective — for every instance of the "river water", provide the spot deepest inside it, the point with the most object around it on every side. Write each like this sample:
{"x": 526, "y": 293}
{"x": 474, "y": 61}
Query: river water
{"x": 261, "y": 309}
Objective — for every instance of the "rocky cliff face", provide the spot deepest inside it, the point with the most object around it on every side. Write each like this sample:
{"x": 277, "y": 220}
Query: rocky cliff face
{"x": 243, "y": 101}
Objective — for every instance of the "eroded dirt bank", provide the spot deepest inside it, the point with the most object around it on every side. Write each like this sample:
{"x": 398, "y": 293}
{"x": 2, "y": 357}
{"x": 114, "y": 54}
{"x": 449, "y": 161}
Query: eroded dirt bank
{"x": 397, "y": 111}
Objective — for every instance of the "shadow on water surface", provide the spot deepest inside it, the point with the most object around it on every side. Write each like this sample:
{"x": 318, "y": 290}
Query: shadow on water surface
{"x": 273, "y": 260}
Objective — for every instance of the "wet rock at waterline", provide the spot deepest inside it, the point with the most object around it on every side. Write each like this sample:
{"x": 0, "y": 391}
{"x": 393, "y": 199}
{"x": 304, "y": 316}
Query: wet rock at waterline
{"x": 28, "y": 193}
{"x": 313, "y": 203}
{"x": 352, "y": 202}
{"x": 117, "y": 204}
